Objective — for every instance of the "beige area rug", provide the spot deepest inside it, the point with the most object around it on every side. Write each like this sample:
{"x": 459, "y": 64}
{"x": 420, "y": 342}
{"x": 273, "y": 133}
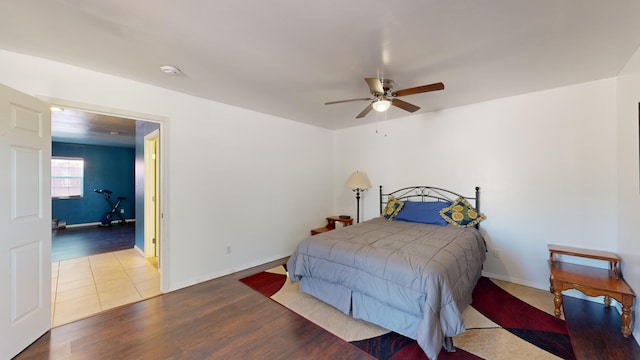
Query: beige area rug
{"x": 328, "y": 317}
{"x": 483, "y": 337}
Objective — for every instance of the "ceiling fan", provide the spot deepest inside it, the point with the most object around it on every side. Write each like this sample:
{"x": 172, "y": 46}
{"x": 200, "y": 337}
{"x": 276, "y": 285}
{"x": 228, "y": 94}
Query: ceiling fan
{"x": 383, "y": 96}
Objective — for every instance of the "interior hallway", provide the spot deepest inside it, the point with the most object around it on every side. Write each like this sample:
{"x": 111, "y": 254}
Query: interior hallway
{"x": 87, "y": 285}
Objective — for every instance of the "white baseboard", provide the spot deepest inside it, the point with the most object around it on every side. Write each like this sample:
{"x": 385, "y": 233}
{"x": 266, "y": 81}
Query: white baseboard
{"x": 228, "y": 271}
{"x": 515, "y": 280}
{"x": 136, "y": 248}
{"x": 97, "y": 223}
{"x": 573, "y": 293}
{"x": 84, "y": 225}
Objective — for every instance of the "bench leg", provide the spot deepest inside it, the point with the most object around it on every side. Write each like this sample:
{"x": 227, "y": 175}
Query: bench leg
{"x": 557, "y": 301}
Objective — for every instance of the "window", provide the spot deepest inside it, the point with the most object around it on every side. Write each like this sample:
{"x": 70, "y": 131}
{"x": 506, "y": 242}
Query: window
{"x": 67, "y": 177}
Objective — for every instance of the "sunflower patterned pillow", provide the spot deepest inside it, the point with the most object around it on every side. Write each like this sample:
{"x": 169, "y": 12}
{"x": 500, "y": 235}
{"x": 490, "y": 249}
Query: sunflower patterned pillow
{"x": 392, "y": 209}
{"x": 461, "y": 214}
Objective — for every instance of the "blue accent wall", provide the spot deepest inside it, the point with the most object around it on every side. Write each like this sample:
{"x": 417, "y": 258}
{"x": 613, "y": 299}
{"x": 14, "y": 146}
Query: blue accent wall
{"x": 105, "y": 167}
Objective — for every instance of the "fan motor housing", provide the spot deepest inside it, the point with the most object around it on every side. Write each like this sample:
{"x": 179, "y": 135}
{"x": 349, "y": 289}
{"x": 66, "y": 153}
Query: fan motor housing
{"x": 387, "y": 84}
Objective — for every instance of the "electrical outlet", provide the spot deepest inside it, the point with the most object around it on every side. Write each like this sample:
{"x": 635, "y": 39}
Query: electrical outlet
{"x": 121, "y": 211}
{"x": 228, "y": 249}
{"x": 497, "y": 253}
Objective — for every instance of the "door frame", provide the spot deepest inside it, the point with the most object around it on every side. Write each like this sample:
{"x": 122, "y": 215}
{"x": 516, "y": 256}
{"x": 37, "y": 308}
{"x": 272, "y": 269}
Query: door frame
{"x": 163, "y": 173}
{"x": 151, "y": 197}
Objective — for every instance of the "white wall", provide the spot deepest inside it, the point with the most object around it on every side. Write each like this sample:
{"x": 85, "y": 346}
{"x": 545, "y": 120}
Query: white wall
{"x": 553, "y": 166}
{"x": 545, "y": 162}
{"x": 628, "y": 177}
{"x": 232, "y": 177}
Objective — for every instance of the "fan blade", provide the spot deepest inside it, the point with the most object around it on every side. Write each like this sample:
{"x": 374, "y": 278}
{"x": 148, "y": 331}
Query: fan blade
{"x": 420, "y": 89}
{"x": 375, "y": 85}
{"x": 405, "y": 105}
{"x": 364, "y": 112}
{"x": 343, "y": 101}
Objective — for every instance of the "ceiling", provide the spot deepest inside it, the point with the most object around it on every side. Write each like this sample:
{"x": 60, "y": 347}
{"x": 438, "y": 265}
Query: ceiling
{"x": 74, "y": 126}
{"x": 287, "y": 58}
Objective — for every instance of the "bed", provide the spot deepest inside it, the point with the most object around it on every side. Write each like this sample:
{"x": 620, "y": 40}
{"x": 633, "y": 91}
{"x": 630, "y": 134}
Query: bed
{"x": 412, "y": 275}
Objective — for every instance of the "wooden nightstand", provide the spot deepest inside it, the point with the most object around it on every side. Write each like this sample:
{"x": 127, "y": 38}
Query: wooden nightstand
{"x": 331, "y": 224}
{"x": 590, "y": 280}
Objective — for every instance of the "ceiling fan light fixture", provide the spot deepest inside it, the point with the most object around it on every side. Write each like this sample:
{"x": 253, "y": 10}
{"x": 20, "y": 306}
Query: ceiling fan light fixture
{"x": 381, "y": 105}
{"x": 384, "y": 96}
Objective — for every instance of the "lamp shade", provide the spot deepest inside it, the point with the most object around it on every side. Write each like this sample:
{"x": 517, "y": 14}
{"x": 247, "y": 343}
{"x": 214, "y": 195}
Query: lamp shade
{"x": 358, "y": 180}
{"x": 381, "y": 105}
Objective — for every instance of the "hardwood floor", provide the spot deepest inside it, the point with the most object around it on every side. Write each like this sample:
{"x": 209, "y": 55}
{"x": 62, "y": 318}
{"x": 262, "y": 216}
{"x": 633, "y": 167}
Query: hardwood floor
{"x": 224, "y": 319}
{"x": 75, "y": 242}
{"x": 218, "y": 319}
{"x": 595, "y": 331}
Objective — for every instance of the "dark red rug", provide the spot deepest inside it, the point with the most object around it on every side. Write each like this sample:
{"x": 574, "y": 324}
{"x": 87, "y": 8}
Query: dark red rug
{"x": 519, "y": 318}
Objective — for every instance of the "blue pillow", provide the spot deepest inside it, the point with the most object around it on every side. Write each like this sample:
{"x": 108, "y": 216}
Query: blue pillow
{"x": 423, "y": 212}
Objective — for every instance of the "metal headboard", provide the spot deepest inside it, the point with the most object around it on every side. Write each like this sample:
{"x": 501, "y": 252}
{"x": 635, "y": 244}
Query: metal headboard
{"x": 428, "y": 193}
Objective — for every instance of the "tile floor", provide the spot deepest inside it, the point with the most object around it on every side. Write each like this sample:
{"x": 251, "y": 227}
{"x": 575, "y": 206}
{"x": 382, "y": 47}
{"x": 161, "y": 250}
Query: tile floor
{"x": 87, "y": 285}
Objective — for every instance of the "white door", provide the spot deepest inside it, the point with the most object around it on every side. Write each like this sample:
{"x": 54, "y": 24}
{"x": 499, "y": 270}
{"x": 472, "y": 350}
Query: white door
{"x": 25, "y": 220}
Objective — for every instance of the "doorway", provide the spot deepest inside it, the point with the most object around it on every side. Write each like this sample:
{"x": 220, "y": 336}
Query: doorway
{"x": 103, "y": 290}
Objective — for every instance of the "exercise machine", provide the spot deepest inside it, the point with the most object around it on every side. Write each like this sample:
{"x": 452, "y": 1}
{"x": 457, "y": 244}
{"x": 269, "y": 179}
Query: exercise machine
{"x": 113, "y": 213}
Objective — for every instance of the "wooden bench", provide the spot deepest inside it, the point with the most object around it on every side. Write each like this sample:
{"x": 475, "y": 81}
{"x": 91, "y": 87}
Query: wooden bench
{"x": 591, "y": 281}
